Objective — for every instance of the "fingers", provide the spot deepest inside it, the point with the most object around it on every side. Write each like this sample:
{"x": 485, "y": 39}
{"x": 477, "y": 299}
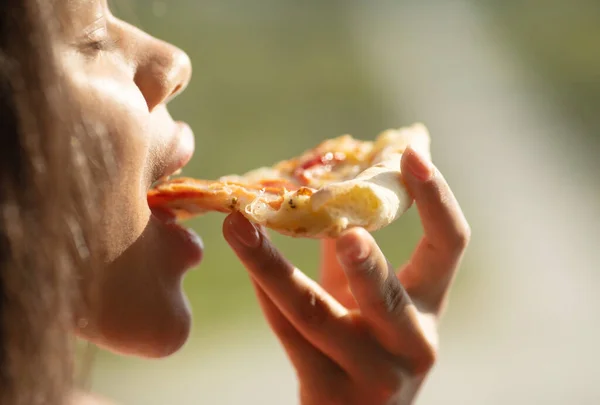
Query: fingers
{"x": 446, "y": 233}
{"x": 333, "y": 277}
{"x": 384, "y": 303}
{"x": 304, "y": 356}
{"x": 315, "y": 314}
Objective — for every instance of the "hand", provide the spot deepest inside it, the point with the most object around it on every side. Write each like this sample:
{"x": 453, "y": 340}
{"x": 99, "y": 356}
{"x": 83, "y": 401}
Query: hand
{"x": 367, "y": 335}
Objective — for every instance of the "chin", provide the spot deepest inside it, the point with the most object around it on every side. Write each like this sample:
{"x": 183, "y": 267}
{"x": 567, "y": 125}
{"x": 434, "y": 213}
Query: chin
{"x": 161, "y": 339}
{"x": 168, "y": 343}
{"x": 146, "y": 337}
{"x": 152, "y": 346}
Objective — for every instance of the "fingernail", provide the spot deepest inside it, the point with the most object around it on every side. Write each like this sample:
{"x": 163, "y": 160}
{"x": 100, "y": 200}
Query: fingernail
{"x": 353, "y": 249}
{"x": 419, "y": 165}
{"x": 245, "y": 232}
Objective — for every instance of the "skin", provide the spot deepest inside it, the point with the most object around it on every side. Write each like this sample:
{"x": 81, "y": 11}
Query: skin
{"x": 122, "y": 79}
{"x": 365, "y": 334}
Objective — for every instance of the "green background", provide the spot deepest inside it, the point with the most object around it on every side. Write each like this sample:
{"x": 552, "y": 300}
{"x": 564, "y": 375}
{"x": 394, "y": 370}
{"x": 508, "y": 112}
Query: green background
{"x": 274, "y": 77}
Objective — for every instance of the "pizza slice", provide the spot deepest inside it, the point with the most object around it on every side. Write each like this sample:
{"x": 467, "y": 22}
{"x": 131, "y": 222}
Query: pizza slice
{"x": 341, "y": 183}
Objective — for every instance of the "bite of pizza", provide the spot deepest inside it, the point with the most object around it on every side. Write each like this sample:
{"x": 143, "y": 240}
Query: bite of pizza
{"x": 341, "y": 183}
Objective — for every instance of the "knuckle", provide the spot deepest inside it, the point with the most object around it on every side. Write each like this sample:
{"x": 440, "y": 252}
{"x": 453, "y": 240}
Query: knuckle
{"x": 366, "y": 269}
{"x": 463, "y": 237}
{"x": 370, "y": 268}
{"x": 394, "y": 298}
{"x": 460, "y": 239}
{"x": 426, "y": 359}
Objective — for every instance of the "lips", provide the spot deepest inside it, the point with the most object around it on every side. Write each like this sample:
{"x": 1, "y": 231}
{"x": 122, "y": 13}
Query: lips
{"x": 189, "y": 244}
{"x": 182, "y": 150}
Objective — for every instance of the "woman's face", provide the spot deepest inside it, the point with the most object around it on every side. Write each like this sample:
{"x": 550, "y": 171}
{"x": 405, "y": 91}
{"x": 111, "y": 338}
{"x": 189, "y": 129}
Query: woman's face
{"x": 123, "y": 78}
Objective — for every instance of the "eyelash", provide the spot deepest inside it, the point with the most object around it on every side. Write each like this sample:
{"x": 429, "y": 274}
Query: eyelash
{"x": 101, "y": 45}
{"x": 104, "y": 44}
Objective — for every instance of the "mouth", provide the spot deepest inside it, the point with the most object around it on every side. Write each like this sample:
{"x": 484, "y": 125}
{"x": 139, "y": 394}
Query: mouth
{"x": 164, "y": 215}
{"x": 182, "y": 152}
{"x": 189, "y": 243}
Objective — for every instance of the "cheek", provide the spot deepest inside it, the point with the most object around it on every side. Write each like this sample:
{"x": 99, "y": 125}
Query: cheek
{"x": 117, "y": 110}
{"x": 120, "y": 110}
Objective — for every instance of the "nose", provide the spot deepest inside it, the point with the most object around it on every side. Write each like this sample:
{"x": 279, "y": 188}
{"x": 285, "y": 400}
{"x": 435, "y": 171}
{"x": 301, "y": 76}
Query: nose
{"x": 162, "y": 72}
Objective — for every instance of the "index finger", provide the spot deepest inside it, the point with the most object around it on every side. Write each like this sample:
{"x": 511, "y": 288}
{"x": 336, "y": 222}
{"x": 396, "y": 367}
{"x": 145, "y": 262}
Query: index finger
{"x": 323, "y": 321}
{"x": 433, "y": 265}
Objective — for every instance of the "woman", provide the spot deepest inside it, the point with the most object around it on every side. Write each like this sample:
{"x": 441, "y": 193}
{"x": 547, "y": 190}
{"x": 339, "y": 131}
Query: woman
{"x": 85, "y": 132}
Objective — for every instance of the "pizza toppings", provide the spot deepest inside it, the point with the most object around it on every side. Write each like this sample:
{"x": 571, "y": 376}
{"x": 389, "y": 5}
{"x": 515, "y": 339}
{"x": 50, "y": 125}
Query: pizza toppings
{"x": 317, "y": 165}
{"x": 341, "y": 183}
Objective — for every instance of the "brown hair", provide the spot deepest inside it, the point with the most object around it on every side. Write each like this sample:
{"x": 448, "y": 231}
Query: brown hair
{"x": 46, "y": 194}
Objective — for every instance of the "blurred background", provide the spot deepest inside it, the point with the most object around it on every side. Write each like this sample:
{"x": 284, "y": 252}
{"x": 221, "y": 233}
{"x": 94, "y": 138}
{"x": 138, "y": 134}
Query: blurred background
{"x": 510, "y": 91}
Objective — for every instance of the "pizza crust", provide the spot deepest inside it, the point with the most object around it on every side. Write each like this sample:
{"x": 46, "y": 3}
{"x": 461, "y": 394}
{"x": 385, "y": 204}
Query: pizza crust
{"x": 368, "y": 193}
